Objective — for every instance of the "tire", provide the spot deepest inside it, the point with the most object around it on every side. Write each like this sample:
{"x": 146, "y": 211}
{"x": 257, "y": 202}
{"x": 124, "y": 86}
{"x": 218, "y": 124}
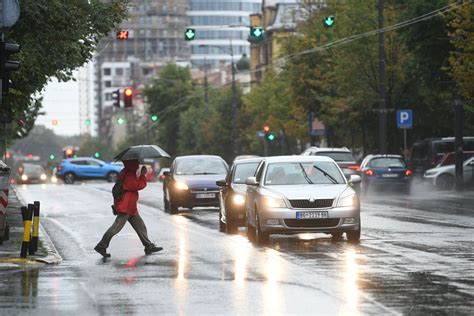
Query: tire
{"x": 337, "y": 235}
{"x": 69, "y": 178}
{"x": 261, "y": 238}
{"x": 165, "y": 200}
{"x": 222, "y": 225}
{"x": 250, "y": 231}
{"x": 353, "y": 236}
{"x": 231, "y": 228}
{"x": 112, "y": 176}
{"x": 172, "y": 206}
{"x": 445, "y": 182}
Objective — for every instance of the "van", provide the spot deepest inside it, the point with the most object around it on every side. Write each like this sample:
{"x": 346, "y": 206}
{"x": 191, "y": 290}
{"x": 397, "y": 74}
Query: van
{"x": 427, "y": 153}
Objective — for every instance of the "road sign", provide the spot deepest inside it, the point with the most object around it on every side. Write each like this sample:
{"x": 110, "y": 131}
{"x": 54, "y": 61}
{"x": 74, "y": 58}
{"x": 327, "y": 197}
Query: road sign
{"x": 260, "y": 134}
{"x": 404, "y": 119}
{"x": 11, "y": 12}
{"x": 190, "y": 34}
{"x": 316, "y": 127}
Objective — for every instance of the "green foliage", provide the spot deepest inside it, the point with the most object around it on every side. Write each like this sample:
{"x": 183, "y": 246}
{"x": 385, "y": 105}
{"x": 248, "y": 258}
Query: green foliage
{"x": 56, "y": 37}
{"x": 90, "y": 145}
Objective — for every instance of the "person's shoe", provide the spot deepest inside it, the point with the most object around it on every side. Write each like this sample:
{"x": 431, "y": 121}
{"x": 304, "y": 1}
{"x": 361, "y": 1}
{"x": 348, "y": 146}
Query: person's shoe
{"x": 102, "y": 251}
{"x": 152, "y": 249}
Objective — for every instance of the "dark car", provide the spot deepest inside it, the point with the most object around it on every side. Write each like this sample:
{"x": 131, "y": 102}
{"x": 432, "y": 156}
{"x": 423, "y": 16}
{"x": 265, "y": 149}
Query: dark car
{"x": 233, "y": 193}
{"x": 191, "y": 182}
{"x": 31, "y": 174}
{"x": 385, "y": 171}
{"x": 342, "y": 156}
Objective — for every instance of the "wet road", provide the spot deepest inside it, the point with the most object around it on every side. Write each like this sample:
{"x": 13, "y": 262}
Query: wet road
{"x": 415, "y": 257}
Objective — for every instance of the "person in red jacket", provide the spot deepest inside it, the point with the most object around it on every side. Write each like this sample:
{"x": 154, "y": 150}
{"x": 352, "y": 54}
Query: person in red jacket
{"x": 127, "y": 210}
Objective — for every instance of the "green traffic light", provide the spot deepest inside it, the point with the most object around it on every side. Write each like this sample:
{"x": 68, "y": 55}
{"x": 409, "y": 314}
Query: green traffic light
{"x": 97, "y": 154}
{"x": 52, "y": 156}
{"x": 88, "y": 122}
{"x": 120, "y": 121}
{"x": 329, "y": 21}
{"x": 190, "y": 34}
{"x": 271, "y": 136}
{"x": 154, "y": 117}
{"x": 256, "y": 32}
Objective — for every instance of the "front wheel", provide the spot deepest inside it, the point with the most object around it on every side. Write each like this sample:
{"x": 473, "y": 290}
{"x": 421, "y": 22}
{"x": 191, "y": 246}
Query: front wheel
{"x": 445, "y": 182}
{"x": 172, "y": 206}
{"x": 250, "y": 231}
{"x": 222, "y": 225}
{"x": 112, "y": 176}
{"x": 231, "y": 228}
{"x": 261, "y": 237}
{"x": 69, "y": 178}
{"x": 165, "y": 200}
{"x": 353, "y": 236}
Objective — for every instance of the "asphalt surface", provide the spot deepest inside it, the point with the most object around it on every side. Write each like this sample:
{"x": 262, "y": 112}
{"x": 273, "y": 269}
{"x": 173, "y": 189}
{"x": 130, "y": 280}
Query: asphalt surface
{"x": 415, "y": 257}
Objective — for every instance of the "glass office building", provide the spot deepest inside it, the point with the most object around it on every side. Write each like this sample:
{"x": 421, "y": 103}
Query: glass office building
{"x": 222, "y": 27}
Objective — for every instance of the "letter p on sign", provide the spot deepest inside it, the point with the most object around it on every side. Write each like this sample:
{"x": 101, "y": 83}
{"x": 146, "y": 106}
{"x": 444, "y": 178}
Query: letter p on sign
{"x": 404, "y": 119}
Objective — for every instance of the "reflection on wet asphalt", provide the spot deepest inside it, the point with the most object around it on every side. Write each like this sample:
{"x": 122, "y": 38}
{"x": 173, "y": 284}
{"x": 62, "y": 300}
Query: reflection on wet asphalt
{"x": 410, "y": 260}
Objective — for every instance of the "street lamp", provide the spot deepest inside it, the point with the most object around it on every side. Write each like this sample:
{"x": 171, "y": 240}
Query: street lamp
{"x": 234, "y": 93}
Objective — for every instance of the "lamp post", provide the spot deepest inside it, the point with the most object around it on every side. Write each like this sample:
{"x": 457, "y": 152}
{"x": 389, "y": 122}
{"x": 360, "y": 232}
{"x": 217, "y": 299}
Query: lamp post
{"x": 234, "y": 94}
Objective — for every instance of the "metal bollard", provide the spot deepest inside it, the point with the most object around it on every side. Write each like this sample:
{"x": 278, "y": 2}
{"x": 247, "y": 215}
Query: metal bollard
{"x": 36, "y": 219}
{"x": 26, "y": 214}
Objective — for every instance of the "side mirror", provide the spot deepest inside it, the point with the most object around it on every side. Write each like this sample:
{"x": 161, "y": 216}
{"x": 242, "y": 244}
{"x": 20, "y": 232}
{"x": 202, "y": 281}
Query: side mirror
{"x": 166, "y": 173}
{"x": 355, "y": 179}
{"x": 251, "y": 181}
{"x": 221, "y": 183}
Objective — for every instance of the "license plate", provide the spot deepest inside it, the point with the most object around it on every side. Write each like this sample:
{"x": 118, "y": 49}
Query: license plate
{"x": 389, "y": 175}
{"x": 311, "y": 215}
{"x": 205, "y": 195}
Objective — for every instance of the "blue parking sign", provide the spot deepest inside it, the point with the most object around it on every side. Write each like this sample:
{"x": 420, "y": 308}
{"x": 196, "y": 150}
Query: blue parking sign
{"x": 404, "y": 119}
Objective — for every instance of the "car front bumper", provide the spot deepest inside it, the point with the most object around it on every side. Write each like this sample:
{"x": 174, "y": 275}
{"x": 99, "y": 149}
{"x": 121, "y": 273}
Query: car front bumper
{"x": 190, "y": 198}
{"x": 284, "y": 220}
{"x": 431, "y": 179}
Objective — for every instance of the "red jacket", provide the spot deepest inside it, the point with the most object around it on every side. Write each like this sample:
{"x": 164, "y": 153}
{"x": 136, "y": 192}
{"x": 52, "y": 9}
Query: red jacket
{"x": 131, "y": 185}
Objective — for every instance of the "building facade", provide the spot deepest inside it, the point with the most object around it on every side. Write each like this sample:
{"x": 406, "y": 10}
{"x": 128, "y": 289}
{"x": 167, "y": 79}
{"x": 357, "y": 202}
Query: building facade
{"x": 222, "y": 28}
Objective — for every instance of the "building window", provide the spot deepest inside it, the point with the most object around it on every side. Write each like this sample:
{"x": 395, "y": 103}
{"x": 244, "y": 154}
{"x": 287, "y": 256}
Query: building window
{"x": 107, "y": 72}
{"x": 108, "y": 96}
{"x": 119, "y": 71}
{"x": 108, "y": 84}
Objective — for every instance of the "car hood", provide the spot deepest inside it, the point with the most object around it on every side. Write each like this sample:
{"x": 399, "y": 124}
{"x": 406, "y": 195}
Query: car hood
{"x": 305, "y": 191}
{"x": 201, "y": 180}
{"x": 239, "y": 187}
{"x": 441, "y": 169}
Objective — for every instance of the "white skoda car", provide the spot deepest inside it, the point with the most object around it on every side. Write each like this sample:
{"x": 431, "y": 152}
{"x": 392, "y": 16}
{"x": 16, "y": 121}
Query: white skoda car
{"x": 298, "y": 194}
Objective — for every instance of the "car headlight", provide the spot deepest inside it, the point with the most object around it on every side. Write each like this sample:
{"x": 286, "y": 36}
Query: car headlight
{"x": 238, "y": 199}
{"x": 54, "y": 179}
{"x": 43, "y": 177}
{"x": 24, "y": 177}
{"x": 430, "y": 173}
{"x": 350, "y": 200}
{"x": 180, "y": 185}
{"x": 271, "y": 201}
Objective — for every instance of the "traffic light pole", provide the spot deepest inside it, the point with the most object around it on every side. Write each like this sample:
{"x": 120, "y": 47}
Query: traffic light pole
{"x": 458, "y": 143}
{"x": 382, "y": 100}
{"x": 234, "y": 104}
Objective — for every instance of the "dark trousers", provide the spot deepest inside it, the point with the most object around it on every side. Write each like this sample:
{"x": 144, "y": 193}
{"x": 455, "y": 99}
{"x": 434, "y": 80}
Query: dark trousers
{"x": 120, "y": 220}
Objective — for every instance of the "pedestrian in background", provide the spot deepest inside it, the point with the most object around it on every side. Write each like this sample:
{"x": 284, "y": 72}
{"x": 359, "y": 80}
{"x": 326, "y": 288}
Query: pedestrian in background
{"x": 127, "y": 210}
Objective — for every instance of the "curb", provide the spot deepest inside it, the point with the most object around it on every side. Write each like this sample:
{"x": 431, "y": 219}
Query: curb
{"x": 53, "y": 256}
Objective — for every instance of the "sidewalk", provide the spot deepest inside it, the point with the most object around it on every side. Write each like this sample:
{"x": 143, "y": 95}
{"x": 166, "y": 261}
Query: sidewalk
{"x": 10, "y": 250}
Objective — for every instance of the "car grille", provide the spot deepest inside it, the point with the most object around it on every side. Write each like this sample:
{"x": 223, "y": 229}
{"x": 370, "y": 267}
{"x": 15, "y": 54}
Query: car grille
{"x": 320, "y": 222}
{"x": 321, "y": 203}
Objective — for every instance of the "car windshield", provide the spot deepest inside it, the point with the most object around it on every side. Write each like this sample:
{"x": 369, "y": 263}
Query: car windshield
{"x": 387, "y": 163}
{"x": 196, "y": 166}
{"x": 243, "y": 171}
{"x": 337, "y": 156}
{"x": 33, "y": 169}
{"x": 290, "y": 173}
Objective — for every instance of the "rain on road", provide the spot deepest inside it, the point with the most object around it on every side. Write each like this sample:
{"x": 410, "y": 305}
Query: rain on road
{"x": 415, "y": 257}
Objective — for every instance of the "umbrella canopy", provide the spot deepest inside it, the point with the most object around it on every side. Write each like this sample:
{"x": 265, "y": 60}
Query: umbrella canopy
{"x": 142, "y": 152}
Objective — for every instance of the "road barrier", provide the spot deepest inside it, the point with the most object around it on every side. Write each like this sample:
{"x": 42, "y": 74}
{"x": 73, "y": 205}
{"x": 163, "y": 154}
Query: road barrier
{"x": 36, "y": 219}
{"x": 26, "y": 214}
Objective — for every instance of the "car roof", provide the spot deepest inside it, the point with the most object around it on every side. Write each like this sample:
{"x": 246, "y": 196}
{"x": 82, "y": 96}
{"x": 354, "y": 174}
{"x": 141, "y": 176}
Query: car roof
{"x": 322, "y": 149}
{"x": 297, "y": 159}
{"x": 247, "y": 160}
{"x": 385, "y": 156}
{"x": 198, "y": 156}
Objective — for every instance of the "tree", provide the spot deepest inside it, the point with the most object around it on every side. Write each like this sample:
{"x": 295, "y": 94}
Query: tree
{"x": 56, "y": 37}
{"x": 91, "y": 145}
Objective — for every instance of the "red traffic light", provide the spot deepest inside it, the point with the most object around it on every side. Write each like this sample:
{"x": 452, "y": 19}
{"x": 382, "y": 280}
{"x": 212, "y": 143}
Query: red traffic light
{"x": 30, "y": 156}
{"x": 128, "y": 97}
{"x": 122, "y": 35}
{"x": 8, "y": 155}
{"x": 128, "y": 92}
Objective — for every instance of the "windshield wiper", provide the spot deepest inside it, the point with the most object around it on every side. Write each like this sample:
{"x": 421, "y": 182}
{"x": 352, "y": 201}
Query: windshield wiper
{"x": 327, "y": 175}
{"x": 305, "y": 175}
{"x": 197, "y": 173}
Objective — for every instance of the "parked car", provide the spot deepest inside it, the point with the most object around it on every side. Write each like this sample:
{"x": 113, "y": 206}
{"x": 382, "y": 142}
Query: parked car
{"x": 297, "y": 194}
{"x": 444, "y": 178}
{"x": 450, "y": 158}
{"x": 87, "y": 168}
{"x": 385, "y": 171}
{"x": 191, "y": 182}
{"x": 232, "y": 194}
{"x": 31, "y": 173}
{"x": 427, "y": 153}
{"x": 342, "y": 156}
{"x": 161, "y": 174}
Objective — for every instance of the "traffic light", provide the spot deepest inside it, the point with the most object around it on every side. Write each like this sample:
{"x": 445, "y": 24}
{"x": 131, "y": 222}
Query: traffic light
{"x": 88, "y": 122}
{"x": 51, "y": 156}
{"x": 116, "y": 98}
{"x": 270, "y": 137}
{"x": 30, "y": 156}
{"x": 68, "y": 153}
{"x": 8, "y": 155}
{"x": 154, "y": 118}
{"x": 190, "y": 34}
{"x": 120, "y": 121}
{"x": 128, "y": 97}
{"x": 328, "y": 21}
{"x": 54, "y": 122}
{"x": 268, "y": 134}
{"x": 256, "y": 32}
{"x": 122, "y": 35}
{"x": 97, "y": 155}
{"x": 266, "y": 128}
{"x": 7, "y": 65}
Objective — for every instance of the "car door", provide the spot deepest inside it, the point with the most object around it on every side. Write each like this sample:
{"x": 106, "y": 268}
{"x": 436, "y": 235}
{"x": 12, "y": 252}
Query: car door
{"x": 252, "y": 194}
{"x": 227, "y": 190}
{"x": 95, "y": 169}
{"x": 79, "y": 167}
{"x": 468, "y": 172}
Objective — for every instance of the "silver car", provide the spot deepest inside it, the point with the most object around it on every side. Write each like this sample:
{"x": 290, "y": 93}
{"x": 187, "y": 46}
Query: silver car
{"x": 444, "y": 177}
{"x": 299, "y": 194}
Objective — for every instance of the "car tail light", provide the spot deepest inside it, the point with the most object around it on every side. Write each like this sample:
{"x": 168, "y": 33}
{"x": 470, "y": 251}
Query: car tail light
{"x": 60, "y": 168}
{"x": 162, "y": 177}
{"x": 408, "y": 173}
{"x": 369, "y": 173}
{"x": 355, "y": 168}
